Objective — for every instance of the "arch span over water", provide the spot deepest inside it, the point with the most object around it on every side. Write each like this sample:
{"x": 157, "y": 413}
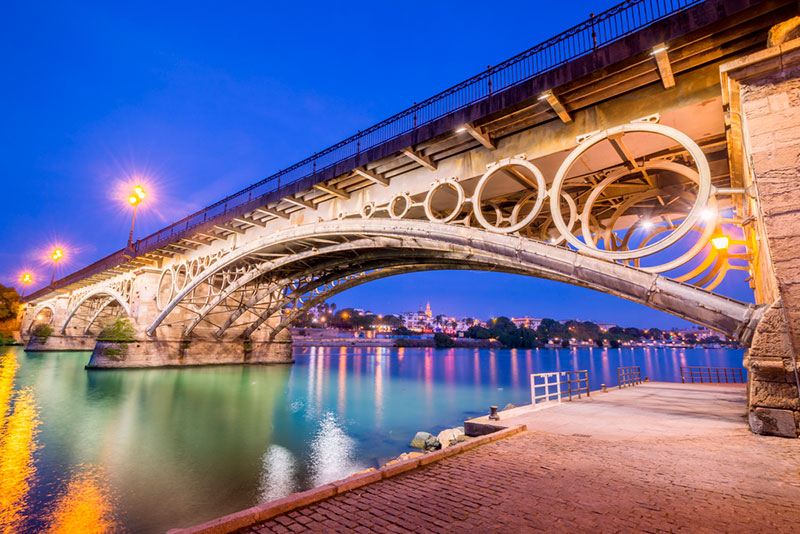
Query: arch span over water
{"x": 355, "y": 251}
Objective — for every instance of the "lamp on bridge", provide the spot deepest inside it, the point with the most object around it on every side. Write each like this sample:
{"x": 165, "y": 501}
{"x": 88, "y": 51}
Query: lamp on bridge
{"x": 720, "y": 242}
{"x": 136, "y": 198}
{"x": 57, "y": 255}
{"x": 26, "y": 279}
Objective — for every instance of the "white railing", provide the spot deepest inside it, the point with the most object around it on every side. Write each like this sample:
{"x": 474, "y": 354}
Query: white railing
{"x": 556, "y": 386}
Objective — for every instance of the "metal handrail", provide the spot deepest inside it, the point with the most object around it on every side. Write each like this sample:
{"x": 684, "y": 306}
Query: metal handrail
{"x": 712, "y": 374}
{"x": 629, "y": 376}
{"x": 615, "y": 23}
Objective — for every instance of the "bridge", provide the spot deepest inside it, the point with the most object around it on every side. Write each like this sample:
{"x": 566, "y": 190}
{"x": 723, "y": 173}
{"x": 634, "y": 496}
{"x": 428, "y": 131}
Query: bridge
{"x": 646, "y": 153}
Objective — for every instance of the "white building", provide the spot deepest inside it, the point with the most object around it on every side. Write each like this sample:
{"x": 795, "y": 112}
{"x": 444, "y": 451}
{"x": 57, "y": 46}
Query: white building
{"x": 526, "y": 322}
{"x": 419, "y": 320}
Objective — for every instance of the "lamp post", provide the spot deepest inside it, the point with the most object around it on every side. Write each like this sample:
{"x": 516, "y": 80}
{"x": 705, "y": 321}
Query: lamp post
{"x": 137, "y": 196}
{"x": 26, "y": 279}
{"x": 57, "y": 255}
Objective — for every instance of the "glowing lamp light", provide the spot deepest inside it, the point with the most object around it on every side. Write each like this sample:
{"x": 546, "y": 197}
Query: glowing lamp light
{"x": 57, "y": 255}
{"x": 26, "y": 279}
{"x": 647, "y": 225}
{"x": 707, "y": 215}
{"x": 137, "y": 196}
{"x": 461, "y": 130}
{"x": 721, "y": 242}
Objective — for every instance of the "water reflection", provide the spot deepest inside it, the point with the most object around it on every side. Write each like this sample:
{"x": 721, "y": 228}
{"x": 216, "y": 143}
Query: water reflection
{"x": 17, "y": 444}
{"x": 332, "y": 452}
{"x": 277, "y": 474}
{"x": 85, "y": 507}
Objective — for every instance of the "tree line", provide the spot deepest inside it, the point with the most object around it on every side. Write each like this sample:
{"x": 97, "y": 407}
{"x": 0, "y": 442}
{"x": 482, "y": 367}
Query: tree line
{"x": 501, "y": 328}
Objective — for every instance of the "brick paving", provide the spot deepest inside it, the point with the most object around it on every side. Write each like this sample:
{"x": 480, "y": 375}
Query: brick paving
{"x": 732, "y": 481}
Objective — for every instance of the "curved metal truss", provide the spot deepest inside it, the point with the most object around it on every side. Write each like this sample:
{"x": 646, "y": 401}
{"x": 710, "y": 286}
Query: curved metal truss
{"x": 654, "y": 209}
{"x": 99, "y": 303}
{"x": 285, "y": 273}
{"x": 44, "y": 313}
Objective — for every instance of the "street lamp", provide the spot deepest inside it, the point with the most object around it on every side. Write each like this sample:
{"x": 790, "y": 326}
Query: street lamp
{"x": 137, "y": 196}
{"x": 57, "y": 255}
{"x": 26, "y": 279}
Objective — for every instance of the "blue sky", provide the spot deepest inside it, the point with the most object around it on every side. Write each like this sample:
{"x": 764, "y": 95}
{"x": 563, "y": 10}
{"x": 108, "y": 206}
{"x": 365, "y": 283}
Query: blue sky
{"x": 205, "y": 99}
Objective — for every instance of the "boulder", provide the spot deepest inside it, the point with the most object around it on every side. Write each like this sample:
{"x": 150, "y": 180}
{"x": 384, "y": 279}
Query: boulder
{"x": 446, "y": 437}
{"x": 450, "y": 436}
{"x": 507, "y": 407}
{"x": 432, "y": 444}
{"x": 420, "y": 439}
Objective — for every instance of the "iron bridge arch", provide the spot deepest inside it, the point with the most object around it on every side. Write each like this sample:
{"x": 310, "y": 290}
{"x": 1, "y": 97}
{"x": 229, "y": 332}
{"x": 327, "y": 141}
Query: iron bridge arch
{"x": 287, "y": 272}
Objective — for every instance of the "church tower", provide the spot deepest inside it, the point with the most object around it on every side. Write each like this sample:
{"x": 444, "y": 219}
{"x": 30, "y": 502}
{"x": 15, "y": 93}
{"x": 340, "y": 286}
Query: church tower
{"x": 428, "y": 310}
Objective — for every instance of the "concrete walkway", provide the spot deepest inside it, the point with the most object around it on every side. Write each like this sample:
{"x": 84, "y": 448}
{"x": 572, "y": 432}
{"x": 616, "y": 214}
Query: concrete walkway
{"x": 653, "y": 458}
{"x": 647, "y": 411}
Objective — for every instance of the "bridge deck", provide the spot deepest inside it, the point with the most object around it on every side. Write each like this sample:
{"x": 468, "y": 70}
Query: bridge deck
{"x": 656, "y": 457}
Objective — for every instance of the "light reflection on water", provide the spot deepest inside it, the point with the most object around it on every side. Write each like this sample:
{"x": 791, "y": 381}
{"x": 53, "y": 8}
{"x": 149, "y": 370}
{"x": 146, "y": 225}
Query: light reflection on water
{"x": 175, "y": 447}
{"x": 277, "y": 474}
{"x": 83, "y": 506}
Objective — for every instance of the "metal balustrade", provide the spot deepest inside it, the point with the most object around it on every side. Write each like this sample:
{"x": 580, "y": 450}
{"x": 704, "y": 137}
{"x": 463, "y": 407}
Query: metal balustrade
{"x": 615, "y": 23}
{"x": 628, "y": 376}
{"x": 558, "y": 385}
{"x": 712, "y": 375}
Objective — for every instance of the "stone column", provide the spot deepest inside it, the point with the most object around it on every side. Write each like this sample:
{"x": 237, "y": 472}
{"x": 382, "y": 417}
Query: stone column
{"x": 763, "y": 93}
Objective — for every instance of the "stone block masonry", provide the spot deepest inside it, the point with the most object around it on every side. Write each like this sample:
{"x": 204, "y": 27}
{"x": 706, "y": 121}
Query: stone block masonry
{"x": 767, "y": 94}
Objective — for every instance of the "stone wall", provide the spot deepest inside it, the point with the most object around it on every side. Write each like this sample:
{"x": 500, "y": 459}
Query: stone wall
{"x": 772, "y": 394}
{"x": 768, "y": 86}
{"x": 156, "y": 353}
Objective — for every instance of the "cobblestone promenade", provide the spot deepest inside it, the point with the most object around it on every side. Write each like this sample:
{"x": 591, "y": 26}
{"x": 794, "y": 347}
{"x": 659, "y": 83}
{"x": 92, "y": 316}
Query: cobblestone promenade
{"x": 727, "y": 481}
{"x": 537, "y": 481}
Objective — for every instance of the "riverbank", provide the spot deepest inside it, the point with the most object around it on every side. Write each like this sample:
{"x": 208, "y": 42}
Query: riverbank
{"x": 626, "y": 460}
{"x": 459, "y": 343}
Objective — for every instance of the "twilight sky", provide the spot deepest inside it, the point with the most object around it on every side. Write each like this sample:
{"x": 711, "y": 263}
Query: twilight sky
{"x": 203, "y": 99}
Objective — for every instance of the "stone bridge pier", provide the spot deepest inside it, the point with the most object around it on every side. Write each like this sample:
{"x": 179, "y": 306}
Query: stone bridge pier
{"x": 763, "y": 93}
{"x": 168, "y": 346}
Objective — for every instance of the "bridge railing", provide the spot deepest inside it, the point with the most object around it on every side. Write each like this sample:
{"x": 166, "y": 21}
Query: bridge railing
{"x": 615, "y": 23}
{"x": 547, "y": 387}
{"x": 712, "y": 374}
{"x": 629, "y": 376}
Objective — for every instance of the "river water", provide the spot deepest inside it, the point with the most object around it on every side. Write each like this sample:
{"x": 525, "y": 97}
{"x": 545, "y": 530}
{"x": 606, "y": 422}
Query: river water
{"x": 174, "y": 447}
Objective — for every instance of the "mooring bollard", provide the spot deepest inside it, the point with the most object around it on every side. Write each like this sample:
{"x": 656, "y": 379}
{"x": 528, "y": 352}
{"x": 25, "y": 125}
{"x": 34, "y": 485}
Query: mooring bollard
{"x": 493, "y": 415}
{"x": 646, "y": 379}
{"x": 603, "y": 386}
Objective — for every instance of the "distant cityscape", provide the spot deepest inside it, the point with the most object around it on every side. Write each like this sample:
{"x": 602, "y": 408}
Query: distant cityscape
{"x": 511, "y": 331}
